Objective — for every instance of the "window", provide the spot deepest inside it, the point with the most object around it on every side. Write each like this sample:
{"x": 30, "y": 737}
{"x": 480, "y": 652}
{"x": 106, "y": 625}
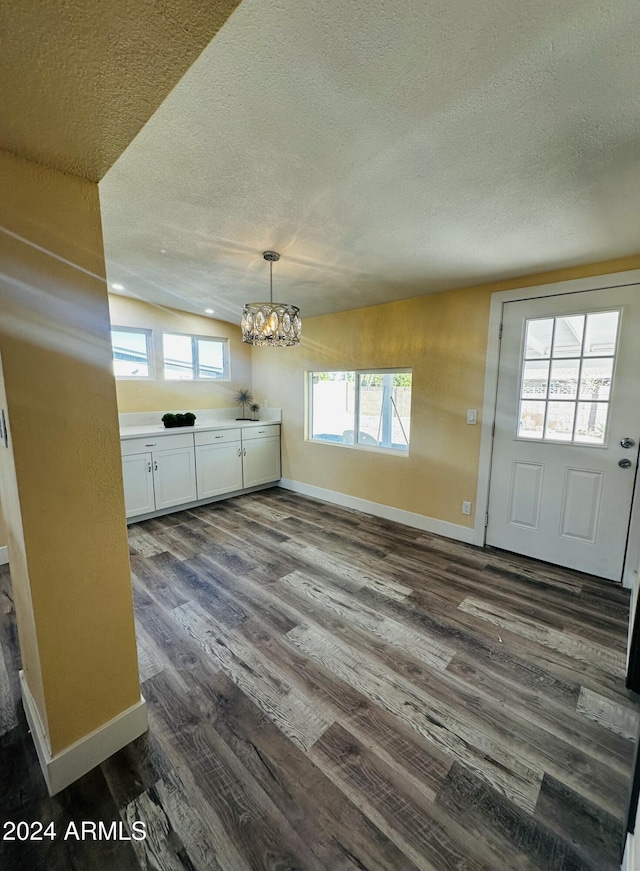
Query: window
{"x": 194, "y": 358}
{"x": 131, "y": 353}
{"x": 567, "y": 370}
{"x": 370, "y": 409}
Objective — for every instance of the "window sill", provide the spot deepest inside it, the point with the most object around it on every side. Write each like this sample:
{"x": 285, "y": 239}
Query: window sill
{"x": 370, "y": 449}
{"x": 135, "y": 378}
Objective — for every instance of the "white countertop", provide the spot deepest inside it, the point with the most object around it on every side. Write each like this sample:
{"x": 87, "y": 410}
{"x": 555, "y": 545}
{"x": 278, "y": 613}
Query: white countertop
{"x": 132, "y": 432}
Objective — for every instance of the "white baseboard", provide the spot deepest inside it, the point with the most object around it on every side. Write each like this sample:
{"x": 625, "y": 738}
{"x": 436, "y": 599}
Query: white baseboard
{"x": 4, "y": 555}
{"x": 409, "y": 518}
{"x": 630, "y": 861}
{"x": 75, "y": 761}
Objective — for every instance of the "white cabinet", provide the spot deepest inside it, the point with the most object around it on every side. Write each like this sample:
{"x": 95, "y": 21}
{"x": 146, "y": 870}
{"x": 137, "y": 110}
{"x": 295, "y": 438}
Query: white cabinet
{"x": 161, "y": 472}
{"x": 174, "y": 477}
{"x": 158, "y": 473}
{"x": 234, "y": 459}
{"x": 261, "y": 455}
{"x": 218, "y": 462}
{"x": 137, "y": 476}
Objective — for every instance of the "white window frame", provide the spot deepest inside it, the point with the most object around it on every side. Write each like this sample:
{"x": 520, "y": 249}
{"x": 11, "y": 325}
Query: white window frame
{"x": 150, "y": 355}
{"x": 378, "y": 449}
{"x": 195, "y": 338}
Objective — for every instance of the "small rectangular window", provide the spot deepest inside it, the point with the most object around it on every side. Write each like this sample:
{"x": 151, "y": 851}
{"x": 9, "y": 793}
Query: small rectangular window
{"x": 369, "y": 409}
{"x": 131, "y": 353}
{"x": 194, "y": 358}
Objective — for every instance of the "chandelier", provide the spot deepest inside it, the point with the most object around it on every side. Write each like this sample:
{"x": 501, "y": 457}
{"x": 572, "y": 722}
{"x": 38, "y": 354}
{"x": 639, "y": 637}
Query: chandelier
{"x": 271, "y": 323}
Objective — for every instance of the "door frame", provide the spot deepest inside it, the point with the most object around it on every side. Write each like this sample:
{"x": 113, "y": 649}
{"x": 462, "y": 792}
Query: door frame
{"x": 498, "y": 300}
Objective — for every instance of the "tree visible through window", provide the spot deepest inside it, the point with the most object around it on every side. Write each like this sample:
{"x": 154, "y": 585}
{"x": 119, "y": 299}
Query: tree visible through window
{"x": 367, "y": 408}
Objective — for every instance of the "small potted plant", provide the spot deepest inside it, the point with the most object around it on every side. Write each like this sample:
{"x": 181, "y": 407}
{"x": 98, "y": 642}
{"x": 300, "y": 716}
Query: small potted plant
{"x": 254, "y": 408}
{"x": 171, "y": 420}
{"x": 243, "y": 397}
{"x": 186, "y": 419}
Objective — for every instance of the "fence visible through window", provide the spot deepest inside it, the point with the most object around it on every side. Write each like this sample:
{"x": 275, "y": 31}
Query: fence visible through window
{"x": 371, "y": 409}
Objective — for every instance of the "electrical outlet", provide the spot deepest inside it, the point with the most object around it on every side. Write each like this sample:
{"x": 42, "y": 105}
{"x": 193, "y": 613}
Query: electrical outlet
{"x": 466, "y": 507}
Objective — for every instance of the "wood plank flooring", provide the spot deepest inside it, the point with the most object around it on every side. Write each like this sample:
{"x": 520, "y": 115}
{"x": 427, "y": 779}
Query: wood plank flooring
{"x": 328, "y": 690}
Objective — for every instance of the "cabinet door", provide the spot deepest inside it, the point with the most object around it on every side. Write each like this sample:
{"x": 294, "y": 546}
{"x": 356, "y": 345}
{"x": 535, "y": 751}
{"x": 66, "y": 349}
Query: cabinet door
{"x": 137, "y": 477}
{"x": 174, "y": 477}
{"x": 218, "y": 469}
{"x": 261, "y": 461}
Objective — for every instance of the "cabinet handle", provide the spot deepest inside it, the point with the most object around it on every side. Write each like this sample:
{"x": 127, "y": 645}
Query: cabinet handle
{"x": 219, "y": 437}
{"x": 261, "y": 431}
{"x": 155, "y": 465}
{"x": 152, "y": 445}
{"x": 149, "y": 465}
{"x": 245, "y": 452}
{"x": 239, "y": 452}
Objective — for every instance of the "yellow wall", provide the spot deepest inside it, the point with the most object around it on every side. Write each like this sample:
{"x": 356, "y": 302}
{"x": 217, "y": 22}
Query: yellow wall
{"x": 61, "y": 482}
{"x": 443, "y": 338}
{"x": 78, "y": 86}
{"x": 161, "y": 395}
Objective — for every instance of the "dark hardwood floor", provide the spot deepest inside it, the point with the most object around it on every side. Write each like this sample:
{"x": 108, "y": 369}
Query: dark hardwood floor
{"x": 328, "y": 690}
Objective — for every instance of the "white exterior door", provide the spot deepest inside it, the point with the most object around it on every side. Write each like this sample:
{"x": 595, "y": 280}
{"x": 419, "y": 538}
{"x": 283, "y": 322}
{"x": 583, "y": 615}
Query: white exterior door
{"x": 567, "y": 429}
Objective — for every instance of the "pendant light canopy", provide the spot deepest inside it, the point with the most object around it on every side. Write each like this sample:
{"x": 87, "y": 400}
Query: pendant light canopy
{"x": 271, "y": 323}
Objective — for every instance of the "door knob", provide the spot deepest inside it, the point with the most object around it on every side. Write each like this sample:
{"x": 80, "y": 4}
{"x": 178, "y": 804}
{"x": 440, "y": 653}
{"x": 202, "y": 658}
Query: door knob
{"x": 627, "y": 443}
{"x": 624, "y": 464}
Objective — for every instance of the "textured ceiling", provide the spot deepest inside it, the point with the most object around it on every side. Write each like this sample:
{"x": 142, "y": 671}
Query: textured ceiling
{"x": 386, "y": 150}
{"x": 79, "y": 79}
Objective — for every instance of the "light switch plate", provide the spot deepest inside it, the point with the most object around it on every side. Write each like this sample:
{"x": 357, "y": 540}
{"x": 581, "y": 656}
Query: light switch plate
{"x": 472, "y": 415}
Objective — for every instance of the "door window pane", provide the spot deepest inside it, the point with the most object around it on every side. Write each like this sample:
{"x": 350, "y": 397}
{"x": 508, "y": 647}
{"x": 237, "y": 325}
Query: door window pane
{"x": 559, "y": 426}
{"x": 602, "y": 330}
{"x": 595, "y": 382}
{"x": 539, "y": 336}
{"x": 567, "y": 341}
{"x": 531, "y": 421}
{"x": 564, "y": 379}
{"x": 535, "y": 379}
{"x": 591, "y": 422}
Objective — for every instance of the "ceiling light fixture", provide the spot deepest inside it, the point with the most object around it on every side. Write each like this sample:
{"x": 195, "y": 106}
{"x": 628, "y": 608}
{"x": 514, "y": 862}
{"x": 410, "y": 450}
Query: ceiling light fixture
{"x": 117, "y": 286}
{"x": 208, "y": 311}
{"x": 271, "y": 323}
